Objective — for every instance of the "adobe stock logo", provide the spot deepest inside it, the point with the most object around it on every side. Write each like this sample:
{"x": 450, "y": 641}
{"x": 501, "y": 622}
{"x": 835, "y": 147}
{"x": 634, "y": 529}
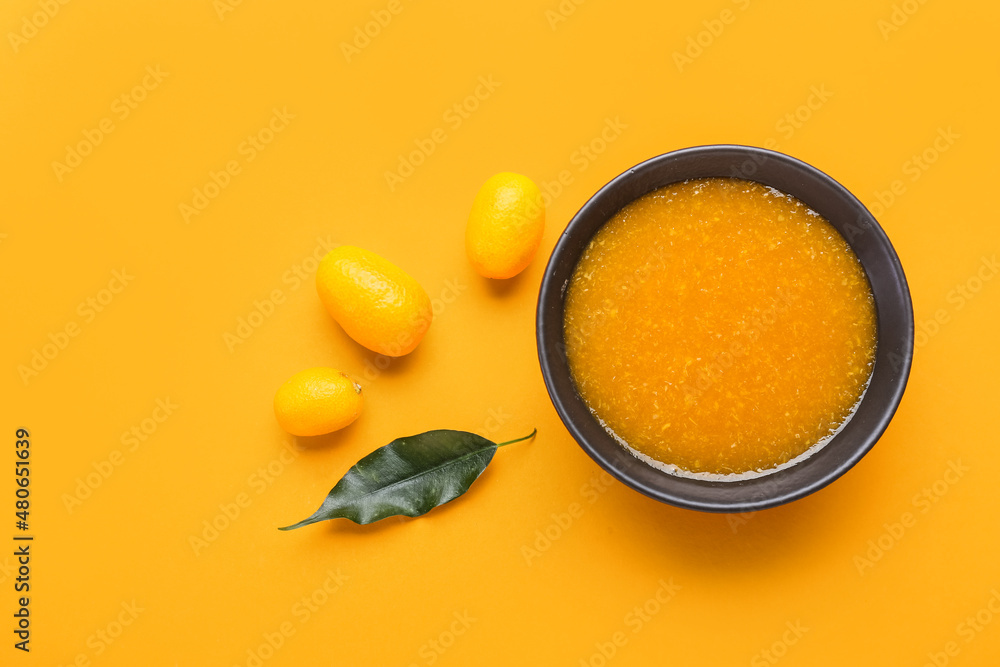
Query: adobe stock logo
{"x": 901, "y": 14}
{"x": 924, "y": 501}
{"x": 305, "y": 608}
{"x": 915, "y": 167}
{"x": 779, "y": 649}
{"x": 562, "y": 12}
{"x": 635, "y": 620}
{"x": 455, "y": 116}
{"x": 363, "y": 35}
{"x": 251, "y": 146}
{"x": 223, "y": 7}
{"x": 967, "y": 630}
{"x": 230, "y": 512}
{"x": 295, "y": 276}
{"x": 131, "y": 440}
{"x": 104, "y": 637}
{"x": 561, "y": 522}
{"x": 697, "y": 43}
{"x": 60, "y": 339}
{"x": 121, "y": 107}
{"x": 433, "y": 649}
{"x": 38, "y": 20}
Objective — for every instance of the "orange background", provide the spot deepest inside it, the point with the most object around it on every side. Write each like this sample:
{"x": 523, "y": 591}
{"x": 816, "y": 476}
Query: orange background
{"x": 476, "y": 582}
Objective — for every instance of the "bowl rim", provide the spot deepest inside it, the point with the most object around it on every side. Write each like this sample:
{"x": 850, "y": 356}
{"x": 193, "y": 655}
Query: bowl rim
{"x": 552, "y": 290}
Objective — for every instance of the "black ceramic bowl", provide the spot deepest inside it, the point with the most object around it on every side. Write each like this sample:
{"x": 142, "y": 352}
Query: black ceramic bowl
{"x": 892, "y": 302}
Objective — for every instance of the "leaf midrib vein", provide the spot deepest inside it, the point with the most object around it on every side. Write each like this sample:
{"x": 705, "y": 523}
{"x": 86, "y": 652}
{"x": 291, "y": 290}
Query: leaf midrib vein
{"x": 424, "y": 472}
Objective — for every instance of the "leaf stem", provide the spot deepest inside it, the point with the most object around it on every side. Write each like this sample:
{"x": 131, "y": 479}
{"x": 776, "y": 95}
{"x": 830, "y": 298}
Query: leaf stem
{"x": 511, "y": 442}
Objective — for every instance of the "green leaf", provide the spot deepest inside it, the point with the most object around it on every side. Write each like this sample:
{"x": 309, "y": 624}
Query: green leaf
{"x": 409, "y": 477}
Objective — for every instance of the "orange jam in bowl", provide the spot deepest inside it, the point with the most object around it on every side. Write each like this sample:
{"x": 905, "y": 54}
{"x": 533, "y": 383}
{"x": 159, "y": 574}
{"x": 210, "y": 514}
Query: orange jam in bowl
{"x": 719, "y": 328}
